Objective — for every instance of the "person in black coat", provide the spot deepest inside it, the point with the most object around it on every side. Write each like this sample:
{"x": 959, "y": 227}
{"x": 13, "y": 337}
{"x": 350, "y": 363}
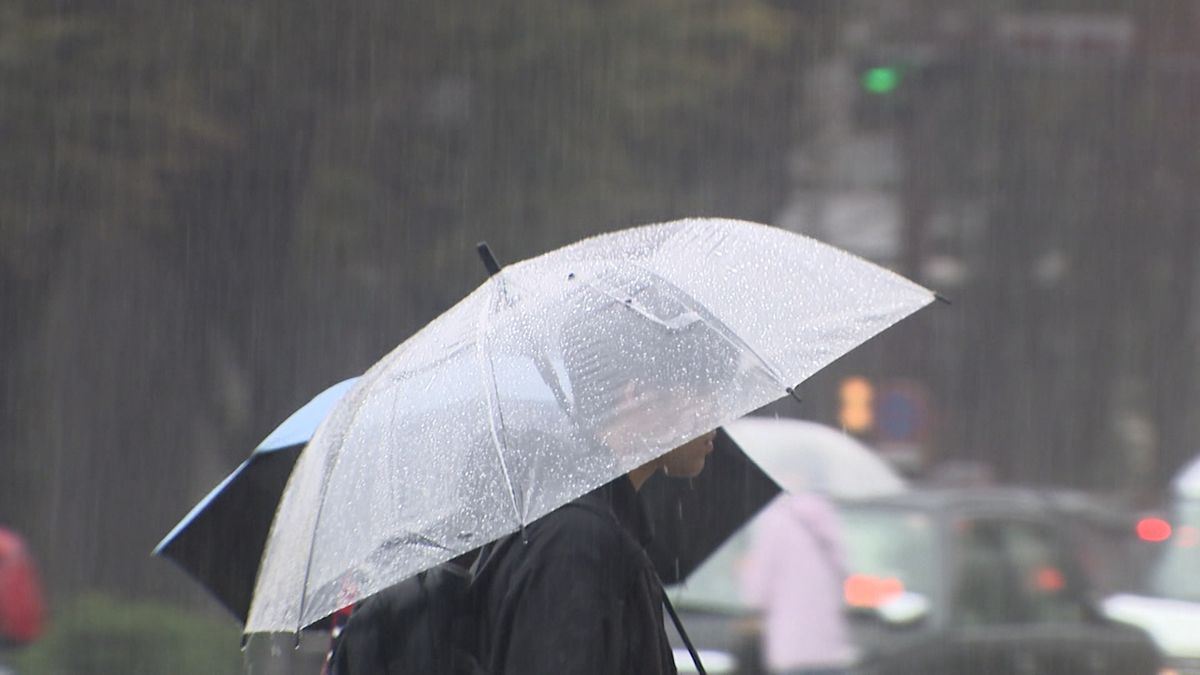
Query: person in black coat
{"x": 420, "y": 625}
{"x": 576, "y": 593}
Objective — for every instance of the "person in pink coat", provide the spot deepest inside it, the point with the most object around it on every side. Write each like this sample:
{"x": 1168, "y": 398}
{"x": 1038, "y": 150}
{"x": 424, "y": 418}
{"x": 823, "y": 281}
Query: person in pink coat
{"x": 793, "y": 574}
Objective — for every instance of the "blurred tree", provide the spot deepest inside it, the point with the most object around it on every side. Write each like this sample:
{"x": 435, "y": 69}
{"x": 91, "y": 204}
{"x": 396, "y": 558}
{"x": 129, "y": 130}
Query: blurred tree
{"x": 208, "y": 212}
{"x": 527, "y": 131}
{"x": 99, "y": 119}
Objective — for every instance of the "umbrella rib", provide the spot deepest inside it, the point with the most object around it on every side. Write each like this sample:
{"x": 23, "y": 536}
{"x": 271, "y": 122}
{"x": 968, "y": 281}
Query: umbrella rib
{"x": 719, "y": 326}
{"x": 359, "y": 390}
{"x": 312, "y": 542}
{"x": 495, "y": 414}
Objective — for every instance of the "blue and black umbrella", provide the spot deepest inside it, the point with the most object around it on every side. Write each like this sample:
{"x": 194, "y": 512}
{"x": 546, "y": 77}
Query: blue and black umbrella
{"x": 220, "y": 542}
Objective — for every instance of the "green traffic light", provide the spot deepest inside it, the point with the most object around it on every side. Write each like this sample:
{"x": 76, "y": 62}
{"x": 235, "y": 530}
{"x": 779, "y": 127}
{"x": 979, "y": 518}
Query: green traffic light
{"x": 881, "y": 80}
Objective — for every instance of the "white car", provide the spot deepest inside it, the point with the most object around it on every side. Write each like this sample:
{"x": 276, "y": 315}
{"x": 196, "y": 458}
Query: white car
{"x": 1168, "y": 603}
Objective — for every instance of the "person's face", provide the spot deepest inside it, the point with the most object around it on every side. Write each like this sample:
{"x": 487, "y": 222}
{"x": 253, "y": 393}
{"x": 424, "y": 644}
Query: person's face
{"x": 687, "y": 461}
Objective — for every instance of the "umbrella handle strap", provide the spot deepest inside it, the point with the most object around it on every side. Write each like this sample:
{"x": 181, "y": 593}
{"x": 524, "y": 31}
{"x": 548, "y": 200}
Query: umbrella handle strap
{"x": 687, "y": 641}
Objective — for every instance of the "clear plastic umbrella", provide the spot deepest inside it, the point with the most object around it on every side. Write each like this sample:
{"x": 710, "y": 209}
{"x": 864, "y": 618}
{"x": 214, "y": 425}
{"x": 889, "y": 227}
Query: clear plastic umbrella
{"x": 555, "y": 376}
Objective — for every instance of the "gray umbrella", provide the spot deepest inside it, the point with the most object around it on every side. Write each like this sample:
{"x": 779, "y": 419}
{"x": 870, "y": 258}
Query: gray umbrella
{"x": 641, "y": 339}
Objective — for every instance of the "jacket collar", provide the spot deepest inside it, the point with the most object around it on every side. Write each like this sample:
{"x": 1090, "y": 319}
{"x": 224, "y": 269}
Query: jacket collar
{"x": 619, "y": 496}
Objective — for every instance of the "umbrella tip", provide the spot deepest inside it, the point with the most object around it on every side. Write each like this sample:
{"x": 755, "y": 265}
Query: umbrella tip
{"x": 941, "y": 298}
{"x": 489, "y": 260}
{"x": 792, "y": 392}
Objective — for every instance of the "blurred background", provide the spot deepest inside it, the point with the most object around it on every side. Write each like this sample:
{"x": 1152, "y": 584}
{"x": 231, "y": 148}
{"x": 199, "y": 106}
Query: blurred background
{"x": 211, "y": 211}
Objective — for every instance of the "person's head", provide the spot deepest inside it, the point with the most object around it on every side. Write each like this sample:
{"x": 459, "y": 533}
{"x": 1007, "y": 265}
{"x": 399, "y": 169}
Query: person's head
{"x": 646, "y": 371}
{"x": 687, "y": 460}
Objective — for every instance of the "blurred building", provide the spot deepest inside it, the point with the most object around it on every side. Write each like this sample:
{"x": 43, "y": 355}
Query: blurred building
{"x": 1030, "y": 163}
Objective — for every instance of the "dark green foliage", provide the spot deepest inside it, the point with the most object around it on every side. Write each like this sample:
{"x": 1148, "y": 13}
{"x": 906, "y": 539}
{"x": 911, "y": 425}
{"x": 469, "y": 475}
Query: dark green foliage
{"x": 103, "y": 635}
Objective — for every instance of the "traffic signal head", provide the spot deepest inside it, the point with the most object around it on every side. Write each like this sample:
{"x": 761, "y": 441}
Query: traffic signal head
{"x": 880, "y": 79}
{"x": 856, "y": 407}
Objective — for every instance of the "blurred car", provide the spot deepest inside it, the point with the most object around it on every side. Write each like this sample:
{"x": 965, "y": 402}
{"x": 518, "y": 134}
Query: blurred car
{"x": 1103, "y": 538}
{"x": 943, "y": 581}
{"x": 1166, "y": 602}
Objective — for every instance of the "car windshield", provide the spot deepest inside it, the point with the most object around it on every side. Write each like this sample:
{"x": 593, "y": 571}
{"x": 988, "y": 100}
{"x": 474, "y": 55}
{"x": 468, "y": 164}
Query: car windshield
{"x": 888, "y": 551}
{"x": 1174, "y": 572}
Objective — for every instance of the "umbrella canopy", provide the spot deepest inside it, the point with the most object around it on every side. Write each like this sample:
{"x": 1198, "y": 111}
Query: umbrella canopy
{"x": 220, "y": 541}
{"x": 806, "y": 456}
{"x": 643, "y": 339}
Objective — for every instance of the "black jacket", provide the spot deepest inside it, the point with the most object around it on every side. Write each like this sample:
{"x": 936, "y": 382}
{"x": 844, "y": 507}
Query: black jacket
{"x": 575, "y": 593}
{"x": 423, "y": 624}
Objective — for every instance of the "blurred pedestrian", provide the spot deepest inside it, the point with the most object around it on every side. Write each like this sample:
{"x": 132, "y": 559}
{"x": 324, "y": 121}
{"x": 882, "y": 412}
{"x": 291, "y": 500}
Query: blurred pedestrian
{"x": 793, "y": 574}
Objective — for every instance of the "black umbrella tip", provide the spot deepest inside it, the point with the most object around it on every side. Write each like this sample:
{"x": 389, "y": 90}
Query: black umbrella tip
{"x": 942, "y": 299}
{"x": 489, "y": 260}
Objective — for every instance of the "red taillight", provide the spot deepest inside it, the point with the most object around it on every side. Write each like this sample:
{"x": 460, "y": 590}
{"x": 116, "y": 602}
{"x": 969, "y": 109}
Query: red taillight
{"x": 1153, "y": 529}
{"x": 1048, "y": 579}
{"x": 867, "y": 591}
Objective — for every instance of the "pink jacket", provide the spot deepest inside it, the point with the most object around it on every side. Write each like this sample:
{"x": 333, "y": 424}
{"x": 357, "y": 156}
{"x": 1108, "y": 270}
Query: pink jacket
{"x": 793, "y": 573}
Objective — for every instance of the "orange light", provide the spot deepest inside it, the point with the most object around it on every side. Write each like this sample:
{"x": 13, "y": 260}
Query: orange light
{"x": 867, "y": 591}
{"x": 1153, "y": 529}
{"x": 856, "y": 413}
{"x": 857, "y": 390}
